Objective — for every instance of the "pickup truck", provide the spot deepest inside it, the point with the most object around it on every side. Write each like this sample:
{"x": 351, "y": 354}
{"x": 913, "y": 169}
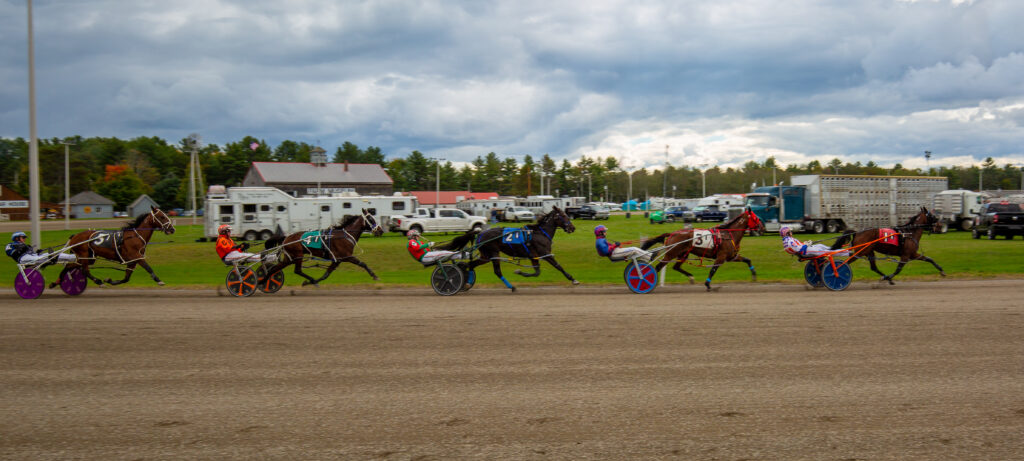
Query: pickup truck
{"x": 587, "y": 212}
{"x": 439, "y": 220}
{"x": 709, "y": 213}
{"x": 1006, "y": 219}
{"x": 516, "y": 214}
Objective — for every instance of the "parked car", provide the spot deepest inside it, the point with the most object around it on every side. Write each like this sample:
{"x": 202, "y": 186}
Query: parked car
{"x": 437, "y": 220}
{"x": 516, "y": 214}
{"x": 995, "y": 219}
{"x": 672, "y": 214}
{"x": 587, "y": 212}
{"x": 709, "y": 213}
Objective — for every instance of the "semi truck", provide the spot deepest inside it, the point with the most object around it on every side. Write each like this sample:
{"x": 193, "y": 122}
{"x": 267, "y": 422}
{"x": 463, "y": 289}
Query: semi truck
{"x": 257, "y": 213}
{"x": 832, "y": 203}
{"x": 957, "y": 208}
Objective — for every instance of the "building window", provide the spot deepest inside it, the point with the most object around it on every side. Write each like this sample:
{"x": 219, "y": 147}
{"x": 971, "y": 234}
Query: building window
{"x": 226, "y": 219}
{"x": 249, "y": 208}
{"x": 372, "y": 211}
{"x": 281, "y": 208}
{"x": 397, "y": 205}
{"x": 325, "y": 208}
{"x": 227, "y": 209}
{"x": 99, "y": 209}
{"x": 264, "y": 207}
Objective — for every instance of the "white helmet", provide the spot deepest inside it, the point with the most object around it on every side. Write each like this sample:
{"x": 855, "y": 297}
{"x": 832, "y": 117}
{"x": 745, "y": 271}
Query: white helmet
{"x": 785, "y": 232}
{"x": 412, "y": 233}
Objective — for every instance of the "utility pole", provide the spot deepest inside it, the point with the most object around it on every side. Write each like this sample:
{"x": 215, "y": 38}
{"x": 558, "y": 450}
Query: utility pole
{"x": 193, "y": 142}
{"x": 664, "y": 179}
{"x": 928, "y": 161}
{"x": 67, "y": 183}
{"x": 437, "y": 190}
{"x": 33, "y": 146}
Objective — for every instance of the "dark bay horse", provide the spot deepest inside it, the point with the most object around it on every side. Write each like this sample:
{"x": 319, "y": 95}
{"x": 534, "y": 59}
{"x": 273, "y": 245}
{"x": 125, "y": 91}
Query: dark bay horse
{"x": 908, "y": 242}
{"x": 126, "y": 246}
{"x": 721, "y": 243}
{"x": 533, "y": 244}
{"x": 335, "y": 244}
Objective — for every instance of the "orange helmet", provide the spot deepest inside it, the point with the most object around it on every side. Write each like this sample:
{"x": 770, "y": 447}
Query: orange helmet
{"x": 224, "y": 229}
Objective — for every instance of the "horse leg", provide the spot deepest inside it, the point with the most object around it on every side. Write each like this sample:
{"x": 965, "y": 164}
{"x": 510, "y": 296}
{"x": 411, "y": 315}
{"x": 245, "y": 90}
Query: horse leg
{"x": 750, "y": 265}
{"x": 874, "y": 267}
{"x": 536, "y": 269}
{"x": 718, "y": 263}
{"x": 552, "y": 261}
{"x": 678, "y": 267}
{"x": 497, "y": 271}
{"x": 298, "y": 271}
{"x": 899, "y": 267}
{"x": 356, "y": 261}
{"x": 937, "y": 266}
{"x": 59, "y": 277}
{"x": 152, "y": 274}
{"x": 127, "y": 274}
{"x": 85, "y": 270}
{"x": 327, "y": 273}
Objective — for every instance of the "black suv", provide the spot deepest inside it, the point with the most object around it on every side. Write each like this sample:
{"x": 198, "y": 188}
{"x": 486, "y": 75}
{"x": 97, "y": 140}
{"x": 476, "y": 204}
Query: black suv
{"x": 1006, "y": 219}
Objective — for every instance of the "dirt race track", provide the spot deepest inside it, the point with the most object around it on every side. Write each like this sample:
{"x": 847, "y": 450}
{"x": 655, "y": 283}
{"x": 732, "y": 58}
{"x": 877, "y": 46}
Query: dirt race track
{"x": 922, "y": 370}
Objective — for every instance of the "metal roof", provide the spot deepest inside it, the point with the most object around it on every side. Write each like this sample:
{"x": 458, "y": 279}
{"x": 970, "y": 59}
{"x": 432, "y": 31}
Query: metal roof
{"x": 89, "y": 198}
{"x": 308, "y": 173}
{"x": 140, "y": 199}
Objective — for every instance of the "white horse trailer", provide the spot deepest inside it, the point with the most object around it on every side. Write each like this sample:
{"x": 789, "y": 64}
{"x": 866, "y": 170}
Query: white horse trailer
{"x": 257, "y": 213}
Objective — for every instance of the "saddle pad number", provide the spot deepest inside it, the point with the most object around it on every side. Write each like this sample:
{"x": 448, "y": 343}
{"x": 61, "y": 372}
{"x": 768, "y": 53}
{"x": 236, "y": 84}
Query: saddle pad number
{"x": 513, "y": 236}
{"x": 312, "y": 239}
{"x": 889, "y": 237}
{"x": 703, "y": 239}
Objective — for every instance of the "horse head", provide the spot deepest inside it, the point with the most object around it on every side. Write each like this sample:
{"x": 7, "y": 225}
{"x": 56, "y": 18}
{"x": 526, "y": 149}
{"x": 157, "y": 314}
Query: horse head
{"x": 561, "y": 220}
{"x": 927, "y": 219}
{"x": 370, "y": 224}
{"x": 161, "y": 219}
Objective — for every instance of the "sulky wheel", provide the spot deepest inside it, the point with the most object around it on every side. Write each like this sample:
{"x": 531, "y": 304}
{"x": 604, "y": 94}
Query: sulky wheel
{"x": 273, "y": 283}
{"x": 73, "y": 281}
{"x": 837, "y": 279}
{"x": 640, "y": 277}
{"x": 812, "y": 273}
{"x": 241, "y": 282}
{"x": 31, "y": 285}
{"x": 447, "y": 279}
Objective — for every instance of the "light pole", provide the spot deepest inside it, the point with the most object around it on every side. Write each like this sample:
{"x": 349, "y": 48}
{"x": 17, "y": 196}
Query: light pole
{"x": 981, "y": 186}
{"x": 703, "y": 183}
{"x": 437, "y": 190}
{"x": 928, "y": 161}
{"x": 67, "y": 182}
{"x": 664, "y": 179}
{"x": 604, "y": 198}
{"x": 1021, "y": 166}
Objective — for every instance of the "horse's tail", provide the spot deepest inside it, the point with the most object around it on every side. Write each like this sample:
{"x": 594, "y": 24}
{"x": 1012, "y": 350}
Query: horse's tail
{"x": 459, "y": 242}
{"x": 654, "y": 241}
{"x": 844, "y": 239}
{"x": 273, "y": 242}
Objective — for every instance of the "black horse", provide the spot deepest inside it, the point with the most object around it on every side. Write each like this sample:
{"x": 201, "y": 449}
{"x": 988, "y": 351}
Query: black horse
{"x": 532, "y": 242}
{"x": 336, "y": 244}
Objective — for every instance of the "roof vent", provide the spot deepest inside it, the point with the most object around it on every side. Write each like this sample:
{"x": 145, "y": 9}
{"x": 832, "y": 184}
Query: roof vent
{"x": 318, "y": 156}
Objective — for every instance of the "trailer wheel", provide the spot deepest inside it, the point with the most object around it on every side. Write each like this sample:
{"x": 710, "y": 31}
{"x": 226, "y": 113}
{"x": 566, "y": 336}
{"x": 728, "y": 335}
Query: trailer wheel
{"x": 250, "y": 235}
{"x": 266, "y": 235}
{"x": 417, "y": 228}
{"x": 832, "y": 226}
{"x": 943, "y": 228}
{"x": 818, "y": 227}
{"x": 966, "y": 224}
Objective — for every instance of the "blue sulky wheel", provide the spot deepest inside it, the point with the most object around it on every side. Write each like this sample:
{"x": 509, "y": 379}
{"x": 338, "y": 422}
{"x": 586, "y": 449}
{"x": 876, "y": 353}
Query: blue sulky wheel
{"x": 640, "y": 277}
{"x": 447, "y": 279}
{"x": 812, "y": 273}
{"x": 838, "y": 279}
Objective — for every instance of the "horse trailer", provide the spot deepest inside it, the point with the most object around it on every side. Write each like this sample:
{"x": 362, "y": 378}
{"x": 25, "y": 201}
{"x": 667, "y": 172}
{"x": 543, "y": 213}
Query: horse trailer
{"x": 257, "y": 213}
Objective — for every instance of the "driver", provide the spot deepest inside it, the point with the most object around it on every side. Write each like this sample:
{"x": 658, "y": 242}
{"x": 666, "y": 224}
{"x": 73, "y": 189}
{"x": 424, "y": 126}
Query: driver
{"x": 22, "y": 253}
{"x": 228, "y": 251}
{"x": 420, "y": 249}
{"x": 796, "y": 247}
{"x": 616, "y": 251}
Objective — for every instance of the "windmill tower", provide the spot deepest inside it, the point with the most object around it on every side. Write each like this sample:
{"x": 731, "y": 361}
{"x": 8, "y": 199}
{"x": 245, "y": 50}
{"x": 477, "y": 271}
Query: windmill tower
{"x": 193, "y": 143}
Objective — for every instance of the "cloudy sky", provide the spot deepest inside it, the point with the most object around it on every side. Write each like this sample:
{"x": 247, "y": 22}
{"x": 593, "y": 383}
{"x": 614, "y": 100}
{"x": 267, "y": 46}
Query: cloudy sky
{"x": 720, "y": 82}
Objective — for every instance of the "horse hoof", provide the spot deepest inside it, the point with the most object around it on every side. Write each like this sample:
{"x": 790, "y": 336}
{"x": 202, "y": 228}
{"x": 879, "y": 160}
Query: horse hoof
{"x": 375, "y": 278}
{"x": 692, "y": 281}
{"x": 519, "y": 272}
{"x": 110, "y": 281}
{"x": 161, "y": 283}
{"x": 942, "y": 274}
{"x": 575, "y": 282}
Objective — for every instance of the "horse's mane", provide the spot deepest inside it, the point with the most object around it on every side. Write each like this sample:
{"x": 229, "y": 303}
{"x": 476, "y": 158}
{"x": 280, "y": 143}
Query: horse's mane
{"x": 732, "y": 221}
{"x": 348, "y": 220}
{"x": 135, "y": 224}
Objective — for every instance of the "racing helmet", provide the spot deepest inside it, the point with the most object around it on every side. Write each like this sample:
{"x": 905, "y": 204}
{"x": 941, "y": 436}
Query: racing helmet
{"x": 15, "y": 236}
{"x": 412, "y": 233}
{"x": 224, "y": 229}
{"x": 786, "y": 232}
{"x": 600, "y": 230}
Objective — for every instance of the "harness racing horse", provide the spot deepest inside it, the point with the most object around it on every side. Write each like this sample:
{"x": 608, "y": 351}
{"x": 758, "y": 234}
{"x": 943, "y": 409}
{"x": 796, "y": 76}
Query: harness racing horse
{"x": 335, "y": 244}
{"x": 906, "y": 244}
{"x": 126, "y": 246}
{"x": 722, "y": 243}
{"x": 532, "y": 241}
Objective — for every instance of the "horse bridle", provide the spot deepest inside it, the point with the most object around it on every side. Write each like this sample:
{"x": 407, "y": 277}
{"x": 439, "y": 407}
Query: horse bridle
{"x": 367, "y": 217}
{"x": 167, "y": 227}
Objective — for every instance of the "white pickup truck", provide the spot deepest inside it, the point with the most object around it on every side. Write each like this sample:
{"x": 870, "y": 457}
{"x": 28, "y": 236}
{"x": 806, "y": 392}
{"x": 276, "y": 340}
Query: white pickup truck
{"x": 437, "y": 220}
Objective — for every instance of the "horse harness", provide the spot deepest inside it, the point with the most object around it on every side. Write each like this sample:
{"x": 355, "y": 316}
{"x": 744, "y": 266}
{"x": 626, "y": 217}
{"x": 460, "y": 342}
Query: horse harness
{"x": 114, "y": 240}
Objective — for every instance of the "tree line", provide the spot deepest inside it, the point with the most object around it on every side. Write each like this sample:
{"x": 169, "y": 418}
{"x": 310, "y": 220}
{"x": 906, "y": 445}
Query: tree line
{"x": 124, "y": 169}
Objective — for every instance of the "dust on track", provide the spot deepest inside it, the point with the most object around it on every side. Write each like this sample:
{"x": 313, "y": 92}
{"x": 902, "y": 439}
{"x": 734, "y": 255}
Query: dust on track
{"x": 756, "y": 371}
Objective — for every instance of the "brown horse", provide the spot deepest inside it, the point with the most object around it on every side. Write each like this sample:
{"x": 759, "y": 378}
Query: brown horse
{"x": 125, "y": 246}
{"x": 722, "y": 243}
{"x": 335, "y": 244}
{"x": 908, "y": 242}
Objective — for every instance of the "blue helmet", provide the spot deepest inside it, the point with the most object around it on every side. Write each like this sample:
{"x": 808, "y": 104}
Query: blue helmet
{"x": 15, "y": 236}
